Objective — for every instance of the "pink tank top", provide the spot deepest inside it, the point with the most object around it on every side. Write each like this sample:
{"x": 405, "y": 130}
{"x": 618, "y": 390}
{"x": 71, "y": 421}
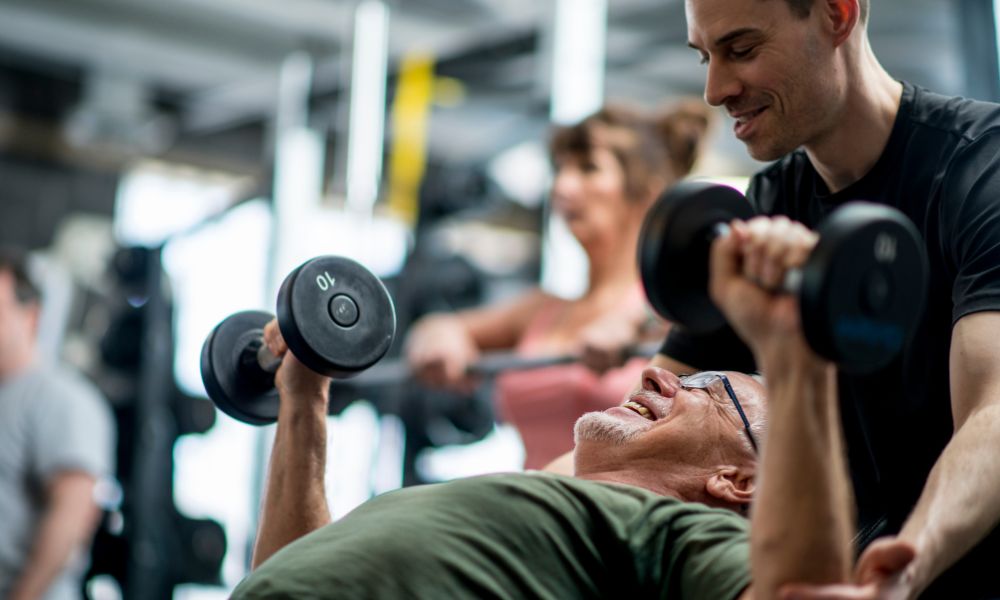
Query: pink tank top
{"x": 545, "y": 403}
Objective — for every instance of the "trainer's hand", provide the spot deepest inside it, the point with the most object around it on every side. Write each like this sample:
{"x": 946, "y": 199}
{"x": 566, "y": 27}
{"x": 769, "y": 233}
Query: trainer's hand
{"x": 879, "y": 575}
{"x": 439, "y": 350}
{"x": 747, "y": 268}
{"x": 294, "y": 379}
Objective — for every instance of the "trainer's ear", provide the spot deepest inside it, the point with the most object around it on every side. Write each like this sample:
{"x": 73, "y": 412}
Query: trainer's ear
{"x": 733, "y": 486}
{"x": 842, "y": 16}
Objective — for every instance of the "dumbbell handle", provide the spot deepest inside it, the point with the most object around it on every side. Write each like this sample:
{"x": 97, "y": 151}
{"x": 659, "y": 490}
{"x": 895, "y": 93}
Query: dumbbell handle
{"x": 256, "y": 355}
{"x": 793, "y": 277}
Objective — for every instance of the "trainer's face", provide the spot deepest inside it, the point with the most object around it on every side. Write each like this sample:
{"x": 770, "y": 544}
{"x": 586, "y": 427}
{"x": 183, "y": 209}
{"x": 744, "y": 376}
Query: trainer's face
{"x": 771, "y": 69}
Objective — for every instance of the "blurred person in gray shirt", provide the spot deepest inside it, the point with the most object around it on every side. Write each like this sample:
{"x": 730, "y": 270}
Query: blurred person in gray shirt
{"x": 56, "y": 444}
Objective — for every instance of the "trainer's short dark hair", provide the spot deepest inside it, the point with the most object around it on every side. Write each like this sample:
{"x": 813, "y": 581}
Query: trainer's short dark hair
{"x": 15, "y": 261}
{"x": 802, "y": 8}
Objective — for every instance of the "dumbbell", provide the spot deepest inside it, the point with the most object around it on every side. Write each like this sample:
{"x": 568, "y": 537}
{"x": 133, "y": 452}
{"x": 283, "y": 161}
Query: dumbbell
{"x": 861, "y": 291}
{"x": 334, "y": 314}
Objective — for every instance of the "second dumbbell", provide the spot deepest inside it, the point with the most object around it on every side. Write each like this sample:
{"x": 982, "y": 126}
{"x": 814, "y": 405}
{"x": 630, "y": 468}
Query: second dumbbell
{"x": 335, "y": 316}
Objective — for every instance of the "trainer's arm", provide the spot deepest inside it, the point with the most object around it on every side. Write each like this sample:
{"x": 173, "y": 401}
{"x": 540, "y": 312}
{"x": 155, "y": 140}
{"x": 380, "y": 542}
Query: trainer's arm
{"x": 294, "y": 497}
{"x": 960, "y": 502}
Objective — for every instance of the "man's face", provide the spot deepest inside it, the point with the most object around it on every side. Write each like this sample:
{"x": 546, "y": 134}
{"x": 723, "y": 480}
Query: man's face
{"x": 772, "y": 70}
{"x": 666, "y": 425}
{"x": 17, "y": 321}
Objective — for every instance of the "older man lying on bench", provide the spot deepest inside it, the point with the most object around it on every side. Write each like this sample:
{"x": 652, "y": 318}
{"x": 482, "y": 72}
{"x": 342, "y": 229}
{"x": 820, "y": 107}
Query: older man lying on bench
{"x": 657, "y": 506}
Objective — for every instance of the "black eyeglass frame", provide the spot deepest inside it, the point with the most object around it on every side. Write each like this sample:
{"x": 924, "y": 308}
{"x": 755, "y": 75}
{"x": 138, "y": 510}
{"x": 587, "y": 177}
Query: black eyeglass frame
{"x": 709, "y": 378}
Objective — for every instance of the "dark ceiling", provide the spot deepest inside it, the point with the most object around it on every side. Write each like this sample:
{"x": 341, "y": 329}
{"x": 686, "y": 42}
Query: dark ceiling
{"x": 89, "y": 85}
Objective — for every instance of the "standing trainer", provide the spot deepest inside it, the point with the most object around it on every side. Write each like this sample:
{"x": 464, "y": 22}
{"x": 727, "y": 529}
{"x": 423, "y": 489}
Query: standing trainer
{"x": 805, "y": 89}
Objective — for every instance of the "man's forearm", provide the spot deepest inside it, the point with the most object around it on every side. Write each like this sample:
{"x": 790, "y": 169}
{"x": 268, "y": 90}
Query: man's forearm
{"x": 66, "y": 527}
{"x": 52, "y": 549}
{"x": 960, "y": 503}
{"x": 802, "y": 518}
{"x": 294, "y": 499}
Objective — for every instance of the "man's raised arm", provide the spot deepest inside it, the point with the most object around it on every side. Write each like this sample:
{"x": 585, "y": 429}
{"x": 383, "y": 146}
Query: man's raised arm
{"x": 802, "y": 522}
{"x": 294, "y": 498}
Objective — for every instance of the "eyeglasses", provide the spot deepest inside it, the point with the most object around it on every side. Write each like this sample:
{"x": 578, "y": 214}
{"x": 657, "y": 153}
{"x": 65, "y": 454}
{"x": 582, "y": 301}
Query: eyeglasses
{"x": 710, "y": 381}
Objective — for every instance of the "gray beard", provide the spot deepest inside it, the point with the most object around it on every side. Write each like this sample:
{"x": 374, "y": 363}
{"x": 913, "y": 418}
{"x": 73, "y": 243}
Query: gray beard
{"x": 599, "y": 427}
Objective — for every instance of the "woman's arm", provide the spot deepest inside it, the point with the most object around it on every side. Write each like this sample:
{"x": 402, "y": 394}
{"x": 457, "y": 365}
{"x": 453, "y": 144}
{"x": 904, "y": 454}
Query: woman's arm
{"x": 440, "y": 346}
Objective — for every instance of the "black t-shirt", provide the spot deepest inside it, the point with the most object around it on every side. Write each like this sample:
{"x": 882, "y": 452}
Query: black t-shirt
{"x": 941, "y": 167}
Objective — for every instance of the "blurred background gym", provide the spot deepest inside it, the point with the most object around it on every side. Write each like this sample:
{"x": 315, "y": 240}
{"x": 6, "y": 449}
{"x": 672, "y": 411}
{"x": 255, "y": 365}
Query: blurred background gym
{"x": 167, "y": 163}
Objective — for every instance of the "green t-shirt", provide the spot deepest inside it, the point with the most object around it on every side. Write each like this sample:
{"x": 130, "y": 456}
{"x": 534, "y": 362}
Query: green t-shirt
{"x": 518, "y": 535}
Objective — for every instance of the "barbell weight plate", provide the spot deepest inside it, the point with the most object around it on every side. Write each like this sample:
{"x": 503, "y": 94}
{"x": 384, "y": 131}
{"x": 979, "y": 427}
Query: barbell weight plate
{"x": 863, "y": 286}
{"x": 241, "y": 392}
{"x": 336, "y": 316}
{"x": 674, "y": 250}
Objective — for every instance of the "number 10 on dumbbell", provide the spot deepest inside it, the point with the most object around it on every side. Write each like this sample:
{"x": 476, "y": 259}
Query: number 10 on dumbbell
{"x": 334, "y": 314}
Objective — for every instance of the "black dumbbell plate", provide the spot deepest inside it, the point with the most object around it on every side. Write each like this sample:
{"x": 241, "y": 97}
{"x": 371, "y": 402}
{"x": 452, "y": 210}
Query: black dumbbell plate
{"x": 674, "y": 250}
{"x": 336, "y": 316}
{"x": 247, "y": 397}
{"x": 864, "y": 286}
